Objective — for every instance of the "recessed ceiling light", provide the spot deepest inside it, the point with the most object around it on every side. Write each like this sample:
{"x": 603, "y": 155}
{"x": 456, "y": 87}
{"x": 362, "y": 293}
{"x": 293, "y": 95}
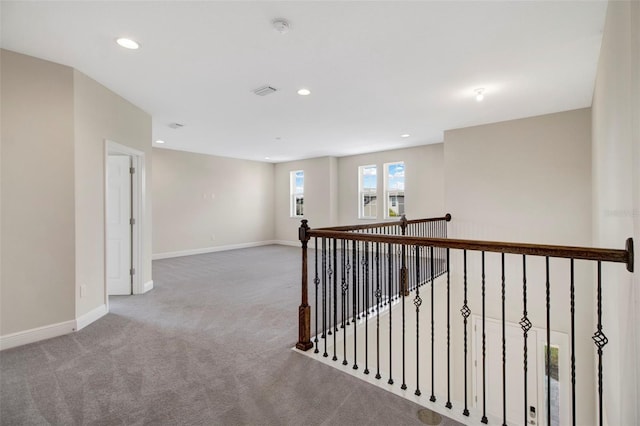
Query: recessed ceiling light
{"x": 479, "y": 94}
{"x": 304, "y": 92}
{"x": 406, "y": 135}
{"x": 267, "y": 158}
{"x": 127, "y": 43}
{"x": 159, "y": 141}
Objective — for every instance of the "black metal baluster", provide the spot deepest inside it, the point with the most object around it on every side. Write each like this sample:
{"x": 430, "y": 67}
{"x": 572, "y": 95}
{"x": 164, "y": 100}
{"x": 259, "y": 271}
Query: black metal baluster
{"x": 573, "y": 346}
{"x": 417, "y": 301}
{"x": 345, "y": 292}
{"x": 525, "y": 324}
{"x": 433, "y": 395}
{"x": 324, "y": 295}
{"x": 354, "y": 277}
{"x": 402, "y": 284}
{"x": 330, "y": 275}
{"x": 316, "y": 281}
{"x": 484, "y": 352}
{"x": 335, "y": 300}
{"x": 600, "y": 341}
{"x": 465, "y": 314}
{"x": 390, "y": 284}
{"x": 366, "y": 315}
{"x": 504, "y": 351}
{"x": 378, "y": 296}
{"x": 548, "y": 353}
{"x": 448, "y": 404}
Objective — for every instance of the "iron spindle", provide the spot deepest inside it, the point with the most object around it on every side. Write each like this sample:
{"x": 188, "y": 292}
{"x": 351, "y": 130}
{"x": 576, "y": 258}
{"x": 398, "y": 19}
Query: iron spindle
{"x": 330, "y": 275}
{"x": 600, "y": 341}
{"x": 548, "y": 353}
{"x": 378, "y": 296}
{"x": 526, "y": 326}
{"x": 417, "y": 301}
{"x": 345, "y": 288}
{"x": 448, "y": 404}
{"x": 403, "y": 280}
{"x": 465, "y": 314}
{"x": 504, "y": 351}
{"x": 484, "y": 353}
{"x": 366, "y": 315}
{"x": 335, "y": 300}
{"x": 354, "y": 277}
{"x": 316, "y": 281}
{"x": 390, "y": 283}
{"x": 573, "y": 345}
{"x": 324, "y": 295}
{"x": 433, "y": 395}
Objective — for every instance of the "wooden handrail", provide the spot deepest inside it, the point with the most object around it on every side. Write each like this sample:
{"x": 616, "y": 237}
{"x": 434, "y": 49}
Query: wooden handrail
{"x": 586, "y": 253}
{"x": 446, "y": 217}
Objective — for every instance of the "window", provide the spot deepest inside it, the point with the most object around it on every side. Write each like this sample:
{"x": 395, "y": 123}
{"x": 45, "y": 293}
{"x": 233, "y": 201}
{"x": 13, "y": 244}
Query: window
{"x": 297, "y": 193}
{"x": 368, "y": 192}
{"x": 394, "y": 190}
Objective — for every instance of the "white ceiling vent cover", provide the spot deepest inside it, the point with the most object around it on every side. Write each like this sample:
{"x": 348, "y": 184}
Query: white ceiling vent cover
{"x": 176, "y": 125}
{"x": 264, "y": 90}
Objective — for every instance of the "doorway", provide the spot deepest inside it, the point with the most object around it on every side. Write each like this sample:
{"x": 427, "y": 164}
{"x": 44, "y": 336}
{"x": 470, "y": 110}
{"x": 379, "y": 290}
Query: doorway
{"x": 124, "y": 219}
{"x": 536, "y": 373}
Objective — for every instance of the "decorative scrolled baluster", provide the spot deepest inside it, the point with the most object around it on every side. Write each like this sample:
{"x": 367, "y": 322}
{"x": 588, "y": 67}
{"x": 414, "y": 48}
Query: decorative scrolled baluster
{"x": 417, "y": 301}
{"x": 526, "y": 325}
{"x": 432, "y": 398}
{"x": 465, "y": 311}
{"x": 600, "y": 341}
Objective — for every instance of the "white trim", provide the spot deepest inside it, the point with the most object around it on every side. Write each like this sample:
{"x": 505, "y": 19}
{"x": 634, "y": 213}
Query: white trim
{"x": 287, "y": 243}
{"x": 36, "y": 334}
{"x": 181, "y": 253}
{"x": 95, "y": 314}
{"x": 148, "y": 286}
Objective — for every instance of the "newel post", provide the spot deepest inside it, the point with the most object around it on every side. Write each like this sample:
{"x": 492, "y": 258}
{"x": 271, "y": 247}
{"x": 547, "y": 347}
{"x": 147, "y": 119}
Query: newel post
{"x": 304, "y": 311}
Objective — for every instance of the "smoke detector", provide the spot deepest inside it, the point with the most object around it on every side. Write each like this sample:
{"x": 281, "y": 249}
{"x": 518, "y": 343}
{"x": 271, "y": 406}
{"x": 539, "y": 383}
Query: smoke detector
{"x": 281, "y": 25}
{"x": 176, "y": 125}
{"x": 264, "y": 90}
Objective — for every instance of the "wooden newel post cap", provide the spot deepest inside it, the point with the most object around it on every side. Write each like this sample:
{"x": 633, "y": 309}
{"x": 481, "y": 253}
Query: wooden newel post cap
{"x": 447, "y": 217}
{"x": 302, "y": 231}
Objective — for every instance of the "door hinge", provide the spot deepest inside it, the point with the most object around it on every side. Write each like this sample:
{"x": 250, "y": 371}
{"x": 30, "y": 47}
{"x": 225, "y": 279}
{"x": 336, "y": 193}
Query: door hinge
{"x": 132, "y": 170}
{"x": 132, "y": 271}
{"x": 132, "y": 221}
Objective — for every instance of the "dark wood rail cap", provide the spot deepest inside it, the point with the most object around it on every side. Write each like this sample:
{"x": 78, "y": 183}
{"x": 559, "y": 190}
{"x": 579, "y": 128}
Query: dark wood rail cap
{"x": 567, "y": 252}
{"x": 446, "y": 218}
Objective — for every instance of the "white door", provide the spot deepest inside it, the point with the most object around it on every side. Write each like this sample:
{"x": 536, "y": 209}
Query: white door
{"x": 118, "y": 225}
{"x": 514, "y": 343}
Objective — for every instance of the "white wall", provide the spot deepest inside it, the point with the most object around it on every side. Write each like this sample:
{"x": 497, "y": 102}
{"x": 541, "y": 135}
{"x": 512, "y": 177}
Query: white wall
{"x": 424, "y": 182}
{"x": 202, "y": 202}
{"x": 101, "y": 114}
{"x": 525, "y": 180}
{"x": 616, "y": 204}
{"x": 38, "y": 232}
{"x": 320, "y": 200}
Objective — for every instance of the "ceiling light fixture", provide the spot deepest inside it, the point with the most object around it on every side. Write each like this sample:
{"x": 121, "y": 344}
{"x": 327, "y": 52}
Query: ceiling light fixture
{"x": 127, "y": 43}
{"x": 159, "y": 141}
{"x": 406, "y": 135}
{"x": 479, "y": 94}
{"x": 304, "y": 92}
{"x": 267, "y": 158}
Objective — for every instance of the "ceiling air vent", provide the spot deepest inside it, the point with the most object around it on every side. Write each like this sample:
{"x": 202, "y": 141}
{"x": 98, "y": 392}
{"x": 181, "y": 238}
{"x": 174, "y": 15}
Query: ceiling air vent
{"x": 176, "y": 125}
{"x": 264, "y": 91}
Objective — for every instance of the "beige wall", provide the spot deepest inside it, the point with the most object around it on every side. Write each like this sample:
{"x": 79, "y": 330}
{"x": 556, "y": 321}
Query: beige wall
{"x": 204, "y": 201}
{"x": 101, "y": 114}
{"x": 424, "y": 182}
{"x": 320, "y": 200}
{"x": 525, "y": 180}
{"x": 38, "y": 232}
{"x": 616, "y": 204}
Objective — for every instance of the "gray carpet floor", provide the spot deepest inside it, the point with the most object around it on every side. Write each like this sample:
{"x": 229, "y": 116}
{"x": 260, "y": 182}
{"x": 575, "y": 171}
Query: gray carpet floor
{"x": 210, "y": 345}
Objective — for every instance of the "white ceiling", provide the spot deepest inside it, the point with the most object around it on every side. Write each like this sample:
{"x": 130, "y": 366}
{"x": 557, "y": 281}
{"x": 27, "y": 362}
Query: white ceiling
{"x": 376, "y": 69}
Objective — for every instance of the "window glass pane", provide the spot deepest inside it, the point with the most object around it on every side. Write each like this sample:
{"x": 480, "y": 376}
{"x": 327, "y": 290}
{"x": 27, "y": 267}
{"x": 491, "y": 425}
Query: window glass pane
{"x": 297, "y": 193}
{"x": 368, "y": 187}
{"x": 394, "y": 189}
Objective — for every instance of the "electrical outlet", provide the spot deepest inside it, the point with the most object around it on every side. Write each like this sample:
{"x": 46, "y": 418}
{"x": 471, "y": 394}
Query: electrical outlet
{"x": 83, "y": 290}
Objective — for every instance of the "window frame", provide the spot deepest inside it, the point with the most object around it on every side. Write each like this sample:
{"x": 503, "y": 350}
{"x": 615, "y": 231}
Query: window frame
{"x": 294, "y": 195}
{"x": 362, "y": 193}
{"x": 387, "y": 192}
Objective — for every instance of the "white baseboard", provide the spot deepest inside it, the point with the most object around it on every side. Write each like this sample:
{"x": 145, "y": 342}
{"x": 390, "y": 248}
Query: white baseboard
{"x": 287, "y": 243}
{"x": 36, "y": 334}
{"x": 168, "y": 255}
{"x": 147, "y": 286}
{"x": 95, "y": 314}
